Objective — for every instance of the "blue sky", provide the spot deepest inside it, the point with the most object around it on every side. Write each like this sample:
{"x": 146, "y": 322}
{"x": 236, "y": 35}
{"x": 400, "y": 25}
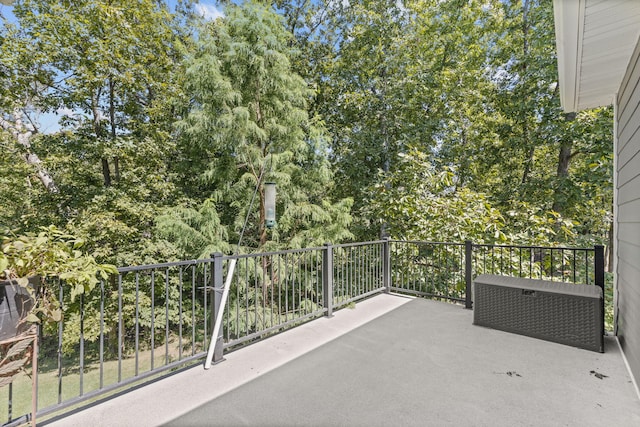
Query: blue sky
{"x": 208, "y": 9}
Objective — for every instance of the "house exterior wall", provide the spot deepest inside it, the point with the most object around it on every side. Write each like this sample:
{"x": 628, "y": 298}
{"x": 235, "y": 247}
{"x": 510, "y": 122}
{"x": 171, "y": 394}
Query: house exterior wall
{"x": 628, "y": 213}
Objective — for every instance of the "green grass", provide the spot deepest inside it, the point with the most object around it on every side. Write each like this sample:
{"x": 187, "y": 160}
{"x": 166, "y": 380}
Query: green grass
{"x": 48, "y": 384}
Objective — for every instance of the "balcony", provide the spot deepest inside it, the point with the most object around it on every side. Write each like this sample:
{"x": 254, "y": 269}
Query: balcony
{"x": 392, "y": 360}
{"x": 365, "y": 349}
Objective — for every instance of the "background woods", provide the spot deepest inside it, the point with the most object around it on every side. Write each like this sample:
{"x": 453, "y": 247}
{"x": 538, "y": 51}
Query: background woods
{"x": 419, "y": 118}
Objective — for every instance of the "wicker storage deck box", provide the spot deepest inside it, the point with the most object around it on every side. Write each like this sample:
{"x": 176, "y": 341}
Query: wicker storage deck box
{"x": 561, "y": 312}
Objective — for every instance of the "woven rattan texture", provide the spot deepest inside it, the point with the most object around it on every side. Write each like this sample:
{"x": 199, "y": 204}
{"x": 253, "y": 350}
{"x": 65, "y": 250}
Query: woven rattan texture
{"x": 565, "y": 319}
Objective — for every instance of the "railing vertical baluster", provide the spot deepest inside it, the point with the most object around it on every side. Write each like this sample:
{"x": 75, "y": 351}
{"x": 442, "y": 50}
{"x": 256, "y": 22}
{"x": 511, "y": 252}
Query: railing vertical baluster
{"x": 81, "y": 370}
{"x": 300, "y": 281}
{"x": 586, "y": 267}
{"x": 344, "y": 283}
{"x": 238, "y": 300}
{"x": 532, "y": 258}
{"x": 205, "y": 292}
{"x": 256, "y": 286}
{"x": 120, "y": 329}
{"x": 412, "y": 271}
{"x": 327, "y": 279}
{"x": 510, "y": 261}
{"x": 358, "y": 267}
{"x": 599, "y": 276}
{"x": 246, "y": 292}
{"x": 279, "y": 277}
{"x": 153, "y": 316}
{"x": 484, "y": 259}
{"x": 285, "y": 288}
{"x": 217, "y": 283}
{"x": 227, "y": 319}
{"x": 345, "y": 260}
{"x": 272, "y": 289}
{"x": 349, "y": 268}
{"x": 60, "y": 331}
{"x": 193, "y": 310}
{"x": 308, "y": 290}
{"x": 353, "y": 264}
{"x": 137, "y": 326}
{"x": 364, "y": 262}
{"x": 493, "y": 264}
{"x": 468, "y": 253}
{"x": 520, "y": 262}
{"x": 166, "y": 317}
{"x": 179, "y": 314}
{"x": 101, "y": 333}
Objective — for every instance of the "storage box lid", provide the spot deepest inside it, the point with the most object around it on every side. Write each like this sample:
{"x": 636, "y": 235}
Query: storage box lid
{"x": 588, "y": 291}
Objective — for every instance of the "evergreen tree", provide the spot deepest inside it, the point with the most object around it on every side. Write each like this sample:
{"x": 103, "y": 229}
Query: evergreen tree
{"x": 249, "y": 124}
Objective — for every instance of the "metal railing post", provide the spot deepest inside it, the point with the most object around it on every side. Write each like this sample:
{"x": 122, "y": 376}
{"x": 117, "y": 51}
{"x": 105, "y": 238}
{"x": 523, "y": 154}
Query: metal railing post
{"x": 468, "y": 254}
{"x": 217, "y": 283}
{"x": 599, "y": 276}
{"x": 386, "y": 265}
{"x": 327, "y": 279}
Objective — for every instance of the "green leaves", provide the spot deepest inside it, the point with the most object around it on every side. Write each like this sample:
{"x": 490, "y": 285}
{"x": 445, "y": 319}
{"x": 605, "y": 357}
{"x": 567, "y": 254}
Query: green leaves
{"x": 249, "y": 123}
{"x": 416, "y": 202}
{"x": 52, "y": 256}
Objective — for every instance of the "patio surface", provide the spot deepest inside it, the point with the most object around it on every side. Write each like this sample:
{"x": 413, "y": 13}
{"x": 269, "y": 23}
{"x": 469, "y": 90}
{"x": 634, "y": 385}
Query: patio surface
{"x": 390, "y": 361}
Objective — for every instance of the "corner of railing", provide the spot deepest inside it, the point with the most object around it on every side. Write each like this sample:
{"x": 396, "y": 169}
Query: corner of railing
{"x": 327, "y": 279}
{"x": 468, "y": 265}
{"x": 386, "y": 264}
{"x": 599, "y": 276}
{"x": 217, "y": 284}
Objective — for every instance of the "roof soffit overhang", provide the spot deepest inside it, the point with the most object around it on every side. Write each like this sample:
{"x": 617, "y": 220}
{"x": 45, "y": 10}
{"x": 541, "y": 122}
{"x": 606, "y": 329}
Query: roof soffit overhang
{"x": 594, "y": 41}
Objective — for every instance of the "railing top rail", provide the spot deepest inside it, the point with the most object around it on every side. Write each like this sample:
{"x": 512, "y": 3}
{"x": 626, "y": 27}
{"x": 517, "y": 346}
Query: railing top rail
{"x": 426, "y": 242}
{"x": 187, "y": 262}
{"x": 259, "y": 254}
{"x": 564, "y": 248}
{"x": 350, "y": 245}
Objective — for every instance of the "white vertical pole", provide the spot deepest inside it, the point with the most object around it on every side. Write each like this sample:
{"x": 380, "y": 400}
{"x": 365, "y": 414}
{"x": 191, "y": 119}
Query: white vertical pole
{"x": 218, "y": 324}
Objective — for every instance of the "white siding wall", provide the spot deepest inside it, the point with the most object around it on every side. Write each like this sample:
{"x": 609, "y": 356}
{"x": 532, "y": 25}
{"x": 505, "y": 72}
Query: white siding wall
{"x": 628, "y": 209}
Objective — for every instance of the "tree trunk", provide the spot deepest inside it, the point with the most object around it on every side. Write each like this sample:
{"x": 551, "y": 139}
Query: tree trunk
{"x": 261, "y": 227}
{"x": 564, "y": 158}
{"x": 22, "y": 135}
{"x": 106, "y": 172}
{"x": 562, "y": 172}
{"x": 114, "y": 128}
{"x": 100, "y": 135}
{"x": 525, "y": 125}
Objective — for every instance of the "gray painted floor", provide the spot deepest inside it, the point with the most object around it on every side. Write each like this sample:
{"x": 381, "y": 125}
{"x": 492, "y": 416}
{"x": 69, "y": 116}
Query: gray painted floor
{"x": 422, "y": 363}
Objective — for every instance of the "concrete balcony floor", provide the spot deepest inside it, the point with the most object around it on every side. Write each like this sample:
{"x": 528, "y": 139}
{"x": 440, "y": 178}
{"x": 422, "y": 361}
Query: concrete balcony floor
{"x": 391, "y": 360}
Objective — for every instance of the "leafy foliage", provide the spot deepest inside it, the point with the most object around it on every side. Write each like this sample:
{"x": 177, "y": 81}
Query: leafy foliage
{"x": 51, "y": 255}
{"x": 250, "y": 123}
{"x": 421, "y": 119}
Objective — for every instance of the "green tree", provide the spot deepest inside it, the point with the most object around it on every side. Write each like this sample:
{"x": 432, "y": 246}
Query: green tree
{"x": 416, "y": 201}
{"x": 113, "y": 68}
{"x": 249, "y": 123}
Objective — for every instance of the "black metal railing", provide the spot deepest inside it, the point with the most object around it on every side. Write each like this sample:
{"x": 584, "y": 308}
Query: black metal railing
{"x": 430, "y": 269}
{"x": 148, "y": 320}
{"x": 571, "y": 265}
